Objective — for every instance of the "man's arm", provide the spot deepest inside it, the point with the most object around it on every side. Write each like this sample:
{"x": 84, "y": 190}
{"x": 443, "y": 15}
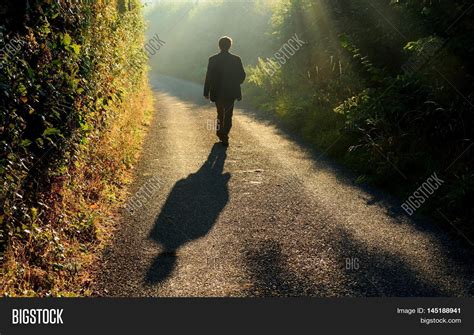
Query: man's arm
{"x": 207, "y": 82}
{"x": 242, "y": 73}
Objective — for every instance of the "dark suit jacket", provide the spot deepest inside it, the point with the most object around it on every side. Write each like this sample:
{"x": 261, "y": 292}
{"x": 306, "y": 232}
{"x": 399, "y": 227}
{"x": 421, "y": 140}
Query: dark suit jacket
{"x": 225, "y": 73}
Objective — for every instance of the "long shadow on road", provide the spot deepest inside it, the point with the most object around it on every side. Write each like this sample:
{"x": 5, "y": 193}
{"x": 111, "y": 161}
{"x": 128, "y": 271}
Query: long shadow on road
{"x": 190, "y": 211}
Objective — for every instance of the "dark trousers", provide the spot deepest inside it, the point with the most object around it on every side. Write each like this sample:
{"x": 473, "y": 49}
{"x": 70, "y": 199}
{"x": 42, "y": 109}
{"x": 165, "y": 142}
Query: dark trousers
{"x": 225, "y": 109}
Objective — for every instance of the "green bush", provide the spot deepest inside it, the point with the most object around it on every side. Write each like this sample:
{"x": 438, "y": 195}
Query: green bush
{"x": 392, "y": 101}
{"x": 77, "y": 64}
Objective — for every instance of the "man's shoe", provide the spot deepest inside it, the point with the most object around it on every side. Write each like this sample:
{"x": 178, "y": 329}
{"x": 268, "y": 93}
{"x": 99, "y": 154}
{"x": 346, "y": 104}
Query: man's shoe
{"x": 225, "y": 143}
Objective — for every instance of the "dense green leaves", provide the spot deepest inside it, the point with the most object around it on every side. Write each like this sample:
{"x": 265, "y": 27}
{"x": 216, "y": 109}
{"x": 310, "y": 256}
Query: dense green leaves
{"x": 68, "y": 62}
{"x": 385, "y": 86}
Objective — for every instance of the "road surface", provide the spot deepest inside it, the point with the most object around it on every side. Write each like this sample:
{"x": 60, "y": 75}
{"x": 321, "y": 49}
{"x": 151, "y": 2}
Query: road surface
{"x": 266, "y": 217}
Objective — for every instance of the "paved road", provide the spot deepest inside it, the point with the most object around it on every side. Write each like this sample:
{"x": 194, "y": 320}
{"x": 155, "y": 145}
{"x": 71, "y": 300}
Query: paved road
{"x": 264, "y": 218}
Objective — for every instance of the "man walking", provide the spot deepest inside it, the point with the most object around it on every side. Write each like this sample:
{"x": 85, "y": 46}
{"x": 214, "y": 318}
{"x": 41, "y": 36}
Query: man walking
{"x": 225, "y": 74}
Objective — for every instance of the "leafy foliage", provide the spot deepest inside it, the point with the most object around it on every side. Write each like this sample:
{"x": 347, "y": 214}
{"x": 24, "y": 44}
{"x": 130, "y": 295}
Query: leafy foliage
{"x": 386, "y": 87}
{"x": 78, "y": 65}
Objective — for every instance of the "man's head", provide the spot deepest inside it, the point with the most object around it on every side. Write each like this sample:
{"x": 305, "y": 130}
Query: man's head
{"x": 225, "y": 43}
